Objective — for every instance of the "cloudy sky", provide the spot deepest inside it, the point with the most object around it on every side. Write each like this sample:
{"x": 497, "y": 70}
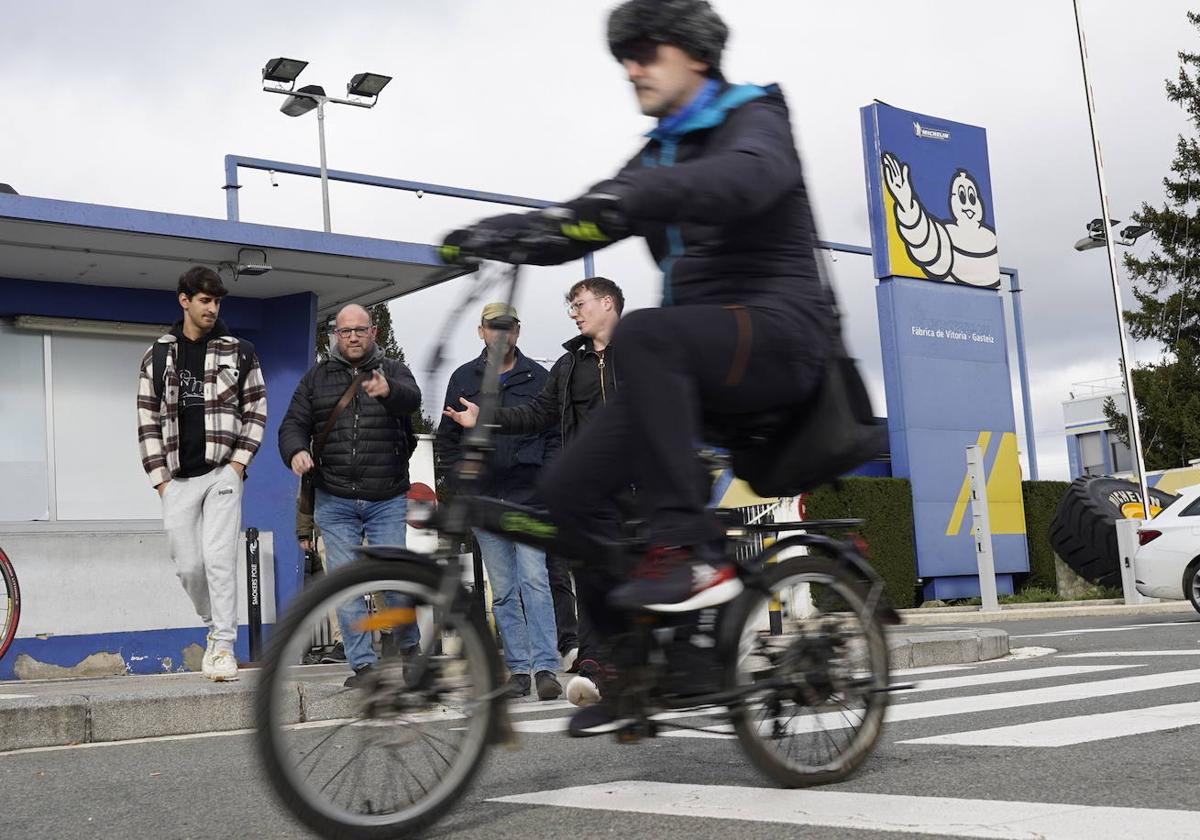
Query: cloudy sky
{"x": 135, "y": 104}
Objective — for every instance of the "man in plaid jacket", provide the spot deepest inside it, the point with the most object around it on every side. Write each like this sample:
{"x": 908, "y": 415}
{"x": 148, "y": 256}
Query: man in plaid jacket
{"x": 202, "y": 410}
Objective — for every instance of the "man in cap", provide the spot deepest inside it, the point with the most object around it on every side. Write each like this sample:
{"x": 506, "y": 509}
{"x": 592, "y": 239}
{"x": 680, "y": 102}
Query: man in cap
{"x": 718, "y": 194}
{"x": 521, "y": 599}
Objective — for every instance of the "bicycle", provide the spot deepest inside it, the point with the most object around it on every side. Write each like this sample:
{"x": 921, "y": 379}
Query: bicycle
{"x": 10, "y": 603}
{"x": 806, "y": 703}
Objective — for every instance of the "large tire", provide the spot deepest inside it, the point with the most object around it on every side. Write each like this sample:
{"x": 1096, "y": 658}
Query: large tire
{"x": 1083, "y": 532}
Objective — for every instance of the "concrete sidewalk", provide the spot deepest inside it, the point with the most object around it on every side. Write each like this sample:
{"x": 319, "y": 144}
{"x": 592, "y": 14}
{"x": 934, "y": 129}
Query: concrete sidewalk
{"x": 44, "y": 713}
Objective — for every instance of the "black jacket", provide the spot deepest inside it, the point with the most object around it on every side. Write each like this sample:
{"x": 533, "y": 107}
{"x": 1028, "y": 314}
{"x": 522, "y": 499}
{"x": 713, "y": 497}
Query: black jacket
{"x": 722, "y": 204}
{"x": 366, "y": 453}
{"x": 572, "y": 391}
{"x": 514, "y": 465}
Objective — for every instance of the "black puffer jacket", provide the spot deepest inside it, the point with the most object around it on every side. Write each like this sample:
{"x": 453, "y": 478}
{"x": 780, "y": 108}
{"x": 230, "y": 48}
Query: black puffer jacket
{"x": 720, "y": 198}
{"x": 366, "y": 453}
{"x": 581, "y": 381}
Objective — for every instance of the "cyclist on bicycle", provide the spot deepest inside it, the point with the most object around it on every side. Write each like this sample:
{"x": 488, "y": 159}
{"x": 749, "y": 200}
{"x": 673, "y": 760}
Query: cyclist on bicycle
{"x": 718, "y": 194}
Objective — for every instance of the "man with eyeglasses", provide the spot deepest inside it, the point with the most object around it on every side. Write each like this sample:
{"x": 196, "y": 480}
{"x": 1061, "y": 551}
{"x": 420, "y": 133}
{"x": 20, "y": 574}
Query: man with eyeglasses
{"x": 583, "y": 380}
{"x": 361, "y": 474}
{"x": 718, "y": 193}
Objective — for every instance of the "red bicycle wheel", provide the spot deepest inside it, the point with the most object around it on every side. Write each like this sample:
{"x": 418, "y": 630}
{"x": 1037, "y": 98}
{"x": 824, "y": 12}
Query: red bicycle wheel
{"x": 10, "y": 603}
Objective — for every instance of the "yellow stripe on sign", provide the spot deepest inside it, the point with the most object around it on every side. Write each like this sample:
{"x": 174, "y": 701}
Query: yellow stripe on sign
{"x": 899, "y": 262}
{"x": 964, "y": 492}
{"x": 1006, "y": 507}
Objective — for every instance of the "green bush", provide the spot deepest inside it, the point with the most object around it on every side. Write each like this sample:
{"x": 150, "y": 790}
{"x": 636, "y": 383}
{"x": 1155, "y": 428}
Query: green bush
{"x": 1041, "y": 500}
{"x": 885, "y": 505}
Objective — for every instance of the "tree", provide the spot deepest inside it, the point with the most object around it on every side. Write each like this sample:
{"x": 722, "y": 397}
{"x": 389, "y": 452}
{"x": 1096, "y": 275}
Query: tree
{"x": 1166, "y": 289}
{"x": 381, "y": 317}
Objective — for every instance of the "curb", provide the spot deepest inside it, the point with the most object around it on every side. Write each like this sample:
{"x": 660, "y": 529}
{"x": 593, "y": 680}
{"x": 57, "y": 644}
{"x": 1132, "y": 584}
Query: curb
{"x": 1022, "y": 612}
{"x": 113, "y": 709}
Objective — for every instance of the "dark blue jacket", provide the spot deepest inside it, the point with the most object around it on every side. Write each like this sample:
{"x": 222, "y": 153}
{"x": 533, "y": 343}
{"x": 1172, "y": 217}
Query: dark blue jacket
{"x": 513, "y": 467}
{"x": 721, "y": 202}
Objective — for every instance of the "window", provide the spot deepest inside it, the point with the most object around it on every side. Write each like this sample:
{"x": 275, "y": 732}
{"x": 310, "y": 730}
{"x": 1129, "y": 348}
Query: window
{"x": 69, "y": 450}
{"x": 1091, "y": 454}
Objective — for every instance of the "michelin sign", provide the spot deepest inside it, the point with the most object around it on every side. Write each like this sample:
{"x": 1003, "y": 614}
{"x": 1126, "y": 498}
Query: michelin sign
{"x": 942, "y": 331}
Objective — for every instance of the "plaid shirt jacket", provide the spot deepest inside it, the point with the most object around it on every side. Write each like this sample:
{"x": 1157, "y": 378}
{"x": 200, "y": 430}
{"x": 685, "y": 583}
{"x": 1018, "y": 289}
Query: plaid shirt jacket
{"x": 235, "y": 414}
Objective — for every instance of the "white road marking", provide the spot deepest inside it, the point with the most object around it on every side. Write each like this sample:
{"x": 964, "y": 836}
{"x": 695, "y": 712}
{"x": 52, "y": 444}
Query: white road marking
{"x": 996, "y": 677}
{"x": 1075, "y": 730}
{"x": 14, "y": 696}
{"x": 984, "y": 818}
{"x": 986, "y": 702}
{"x": 930, "y": 669}
{"x": 1083, "y": 630}
{"x": 1105, "y": 654}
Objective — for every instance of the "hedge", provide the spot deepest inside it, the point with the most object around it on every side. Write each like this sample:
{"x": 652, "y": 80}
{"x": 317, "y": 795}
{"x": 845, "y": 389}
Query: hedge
{"x": 885, "y": 505}
{"x": 1041, "y": 500}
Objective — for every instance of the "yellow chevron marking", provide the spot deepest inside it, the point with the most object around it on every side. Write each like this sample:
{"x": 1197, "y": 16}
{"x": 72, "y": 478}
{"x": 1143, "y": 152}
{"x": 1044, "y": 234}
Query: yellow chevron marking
{"x": 1006, "y": 506}
{"x": 964, "y": 492}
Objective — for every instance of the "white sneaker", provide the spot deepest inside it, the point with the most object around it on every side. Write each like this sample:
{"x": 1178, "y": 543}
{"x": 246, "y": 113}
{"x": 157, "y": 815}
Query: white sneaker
{"x": 224, "y": 667}
{"x": 568, "y": 659}
{"x": 206, "y": 663}
{"x": 582, "y": 692}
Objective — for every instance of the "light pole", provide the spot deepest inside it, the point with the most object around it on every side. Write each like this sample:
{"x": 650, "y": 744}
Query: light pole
{"x": 1135, "y": 431}
{"x": 279, "y": 76}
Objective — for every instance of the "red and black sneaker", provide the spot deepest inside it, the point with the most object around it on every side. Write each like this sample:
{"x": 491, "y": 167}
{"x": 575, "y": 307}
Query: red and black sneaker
{"x": 676, "y": 579}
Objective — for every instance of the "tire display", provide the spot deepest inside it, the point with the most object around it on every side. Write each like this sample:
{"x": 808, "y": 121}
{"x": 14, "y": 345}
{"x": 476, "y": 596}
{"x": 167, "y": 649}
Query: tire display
{"x": 1083, "y": 532}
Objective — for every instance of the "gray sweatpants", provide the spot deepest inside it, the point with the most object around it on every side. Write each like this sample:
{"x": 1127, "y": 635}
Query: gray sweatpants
{"x": 202, "y": 517}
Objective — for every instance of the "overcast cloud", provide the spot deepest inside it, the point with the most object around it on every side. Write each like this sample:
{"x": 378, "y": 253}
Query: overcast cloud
{"x": 135, "y": 104}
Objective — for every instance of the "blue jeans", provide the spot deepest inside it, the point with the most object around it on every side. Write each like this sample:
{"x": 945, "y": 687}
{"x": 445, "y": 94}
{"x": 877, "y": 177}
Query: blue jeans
{"x": 344, "y": 523}
{"x": 522, "y": 603}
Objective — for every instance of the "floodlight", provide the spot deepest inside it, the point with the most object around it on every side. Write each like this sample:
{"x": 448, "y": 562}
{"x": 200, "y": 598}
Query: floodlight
{"x": 1132, "y": 232}
{"x": 367, "y": 84}
{"x": 1090, "y": 242}
{"x": 283, "y": 70}
{"x": 298, "y": 104}
{"x": 1096, "y": 226}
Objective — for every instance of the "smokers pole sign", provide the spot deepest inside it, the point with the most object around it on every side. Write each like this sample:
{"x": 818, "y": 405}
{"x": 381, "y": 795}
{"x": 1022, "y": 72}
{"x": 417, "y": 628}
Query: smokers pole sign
{"x": 945, "y": 354}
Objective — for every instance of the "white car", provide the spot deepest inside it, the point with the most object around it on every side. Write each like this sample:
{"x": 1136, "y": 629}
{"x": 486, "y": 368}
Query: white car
{"x": 1167, "y": 562}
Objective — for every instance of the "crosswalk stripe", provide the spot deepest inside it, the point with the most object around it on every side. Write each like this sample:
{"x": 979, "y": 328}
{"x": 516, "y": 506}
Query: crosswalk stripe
{"x": 1075, "y": 730}
{"x": 989, "y": 702}
{"x": 930, "y": 669}
{"x": 984, "y": 818}
{"x": 999, "y": 677}
{"x": 1105, "y": 654}
{"x": 1084, "y": 630}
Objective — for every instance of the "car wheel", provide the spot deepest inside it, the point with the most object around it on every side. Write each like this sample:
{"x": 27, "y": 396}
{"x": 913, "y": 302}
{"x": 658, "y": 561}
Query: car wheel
{"x": 1191, "y": 584}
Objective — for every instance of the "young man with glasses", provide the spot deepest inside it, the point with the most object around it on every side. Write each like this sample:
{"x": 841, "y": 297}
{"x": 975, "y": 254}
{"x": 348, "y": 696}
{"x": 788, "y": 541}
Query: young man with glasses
{"x": 718, "y": 194}
{"x": 361, "y": 475}
{"x": 582, "y": 381}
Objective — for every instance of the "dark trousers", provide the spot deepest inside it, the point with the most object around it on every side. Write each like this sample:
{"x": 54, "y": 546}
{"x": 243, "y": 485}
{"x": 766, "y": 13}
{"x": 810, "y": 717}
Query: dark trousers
{"x": 563, "y": 593}
{"x": 677, "y": 363}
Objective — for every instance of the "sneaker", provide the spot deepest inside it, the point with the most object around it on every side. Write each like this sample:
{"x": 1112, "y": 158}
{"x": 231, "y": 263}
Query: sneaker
{"x": 224, "y": 667}
{"x": 335, "y": 655}
{"x": 206, "y": 663}
{"x": 548, "y": 686}
{"x": 361, "y": 677}
{"x": 598, "y": 719}
{"x": 676, "y": 579}
{"x": 584, "y": 688}
{"x": 518, "y": 685}
{"x": 569, "y": 662}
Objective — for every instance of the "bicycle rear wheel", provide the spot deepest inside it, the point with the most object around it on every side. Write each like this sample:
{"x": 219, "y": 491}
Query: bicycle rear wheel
{"x": 10, "y": 604}
{"x": 821, "y": 696}
{"x": 391, "y": 755}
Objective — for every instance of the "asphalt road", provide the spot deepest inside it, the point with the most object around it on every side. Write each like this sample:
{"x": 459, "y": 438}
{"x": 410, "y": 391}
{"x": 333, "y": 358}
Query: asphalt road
{"x": 967, "y": 754}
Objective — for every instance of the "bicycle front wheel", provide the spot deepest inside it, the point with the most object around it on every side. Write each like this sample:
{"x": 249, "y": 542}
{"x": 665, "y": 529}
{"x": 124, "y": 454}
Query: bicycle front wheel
{"x": 392, "y": 754}
{"x": 818, "y": 692}
{"x": 10, "y": 604}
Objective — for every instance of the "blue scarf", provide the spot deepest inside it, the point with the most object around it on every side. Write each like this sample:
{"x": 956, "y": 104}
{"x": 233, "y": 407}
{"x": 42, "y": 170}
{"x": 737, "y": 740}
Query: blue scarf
{"x": 669, "y": 124}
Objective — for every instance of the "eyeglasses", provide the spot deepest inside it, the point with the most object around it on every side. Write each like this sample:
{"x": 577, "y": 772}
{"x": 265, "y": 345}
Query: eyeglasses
{"x": 642, "y": 51}
{"x": 574, "y": 306}
{"x": 346, "y": 332}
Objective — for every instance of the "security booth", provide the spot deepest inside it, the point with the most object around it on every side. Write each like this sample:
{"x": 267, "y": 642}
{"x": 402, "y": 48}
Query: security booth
{"x": 84, "y": 290}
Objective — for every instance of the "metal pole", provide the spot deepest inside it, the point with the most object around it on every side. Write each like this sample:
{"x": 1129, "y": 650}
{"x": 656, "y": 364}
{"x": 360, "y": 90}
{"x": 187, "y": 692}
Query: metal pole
{"x": 1023, "y": 371}
{"x": 1135, "y": 431}
{"x": 982, "y": 529}
{"x": 324, "y": 170}
{"x": 253, "y": 595}
{"x": 231, "y": 188}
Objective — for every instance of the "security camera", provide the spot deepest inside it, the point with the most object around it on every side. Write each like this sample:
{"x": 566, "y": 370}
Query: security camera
{"x": 420, "y": 193}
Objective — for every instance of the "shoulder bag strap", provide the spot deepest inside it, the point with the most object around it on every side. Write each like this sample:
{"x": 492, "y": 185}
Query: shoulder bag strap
{"x": 319, "y": 442}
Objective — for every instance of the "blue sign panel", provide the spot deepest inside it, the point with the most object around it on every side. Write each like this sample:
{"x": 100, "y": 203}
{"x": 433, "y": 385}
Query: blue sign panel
{"x": 945, "y": 360}
{"x": 929, "y": 193}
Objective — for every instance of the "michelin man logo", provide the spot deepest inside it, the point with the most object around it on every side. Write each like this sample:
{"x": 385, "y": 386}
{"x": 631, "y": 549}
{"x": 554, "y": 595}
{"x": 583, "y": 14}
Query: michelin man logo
{"x": 959, "y": 250}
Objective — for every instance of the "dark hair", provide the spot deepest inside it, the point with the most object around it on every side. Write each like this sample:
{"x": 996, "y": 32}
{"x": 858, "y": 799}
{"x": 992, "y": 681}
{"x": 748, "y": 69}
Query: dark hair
{"x": 201, "y": 278}
{"x": 600, "y": 287}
